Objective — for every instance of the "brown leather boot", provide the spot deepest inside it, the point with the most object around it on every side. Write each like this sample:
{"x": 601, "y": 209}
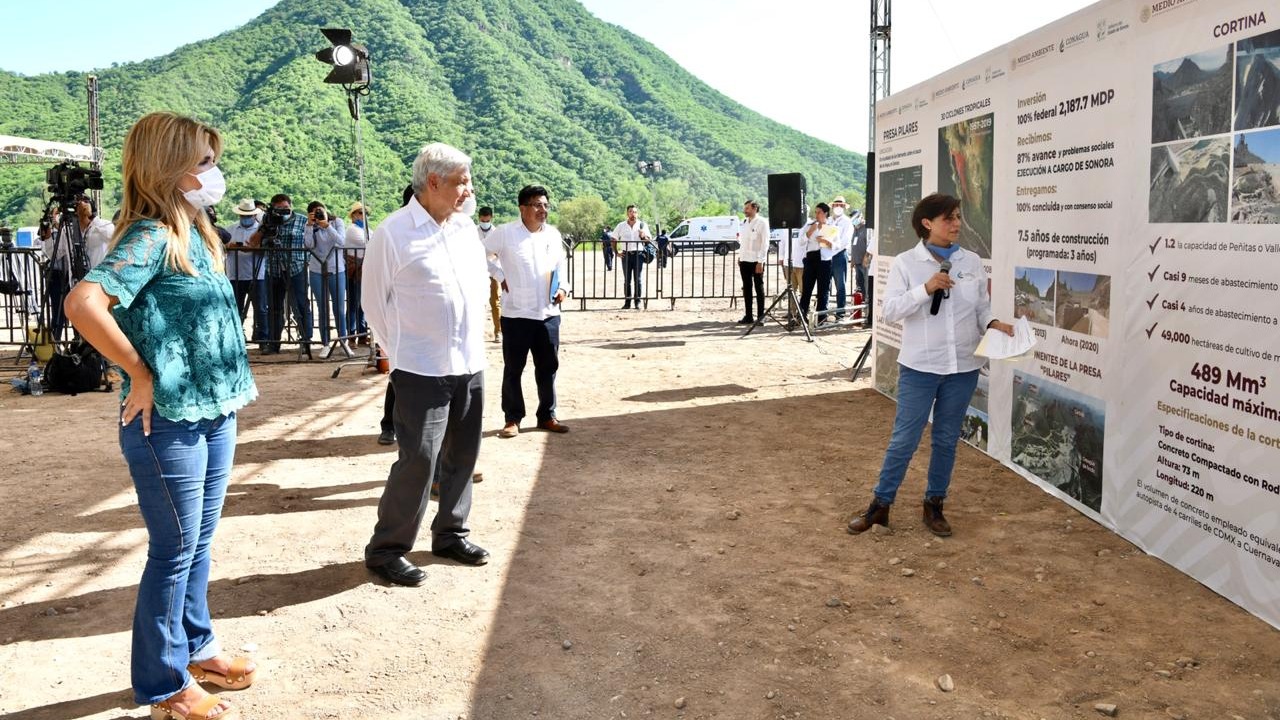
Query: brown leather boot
{"x": 933, "y": 518}
{"x": 877, "y": 514}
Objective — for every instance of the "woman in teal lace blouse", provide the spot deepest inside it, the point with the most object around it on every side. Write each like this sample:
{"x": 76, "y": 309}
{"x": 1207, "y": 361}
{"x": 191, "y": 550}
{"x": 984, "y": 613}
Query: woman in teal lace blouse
{"x": 160, "y": 307}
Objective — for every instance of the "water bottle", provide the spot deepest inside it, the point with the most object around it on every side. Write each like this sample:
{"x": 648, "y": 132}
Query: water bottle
{"x": 34, "y": 382}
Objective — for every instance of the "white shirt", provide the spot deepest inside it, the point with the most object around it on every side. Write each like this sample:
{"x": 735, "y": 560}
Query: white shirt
{"x": 242, "y": 261}
{"x": 629, "y": 238}
{"x": 754, "y": 240}
{"x": 527, "y": 261}
{"x": 795, "y": 253}
{"x": 845, "y": 237}
{"x": 96, "y": 239}
{"x": 325, "y": 246}
{"x": 354, "y": 239}
{"x": 944, "y": 343}
{"x": 426, "y": 292}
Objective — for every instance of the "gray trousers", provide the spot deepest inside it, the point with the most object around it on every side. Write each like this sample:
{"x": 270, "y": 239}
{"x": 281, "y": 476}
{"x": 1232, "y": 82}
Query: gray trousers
{"x": 437, "y": 422}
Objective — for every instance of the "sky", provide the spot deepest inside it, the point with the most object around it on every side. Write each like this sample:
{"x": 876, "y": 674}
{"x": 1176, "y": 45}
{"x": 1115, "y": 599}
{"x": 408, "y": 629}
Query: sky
{"x": 777, "y": 58}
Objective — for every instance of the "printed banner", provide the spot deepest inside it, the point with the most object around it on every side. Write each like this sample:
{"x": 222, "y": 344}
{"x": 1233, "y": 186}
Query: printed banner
{"x": 1119, "y": 171}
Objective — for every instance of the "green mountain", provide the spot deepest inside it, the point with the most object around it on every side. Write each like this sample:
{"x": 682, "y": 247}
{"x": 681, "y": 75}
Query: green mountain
{"x": 536, "y": 91}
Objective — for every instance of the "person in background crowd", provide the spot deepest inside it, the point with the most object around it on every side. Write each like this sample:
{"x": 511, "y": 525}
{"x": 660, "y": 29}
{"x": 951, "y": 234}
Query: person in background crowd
{"x": 791, "y": 256}
{"x": 606, "y": 246}
{"x": 937, "y": 370}
{"x": 324, "y": 237}
{"x": 859, "y": 256}
{"x": 629, "y": 238}
{"x": 95, "y": 231}
{"x": 529, "y": 261}
{"x": 753, "y": 251}
{"x": 286, "y": 271}
{"x": 247, "y": 271}
{"x": 354, "y": 258}
{"x": 840, "y": 252}
{"x": 223, "y": 235}
{"x": 424, "y": 297}
{"x": 483, "y": 228}
{"x": 160, "y": 308}
{"x": 817, "y": 261}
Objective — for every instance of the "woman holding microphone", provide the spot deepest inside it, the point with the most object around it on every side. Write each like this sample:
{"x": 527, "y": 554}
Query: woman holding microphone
{"x": 938, "y": 291}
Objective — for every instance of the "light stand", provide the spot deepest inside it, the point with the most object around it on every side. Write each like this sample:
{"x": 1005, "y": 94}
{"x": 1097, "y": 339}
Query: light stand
{"x": 350, "y": 70}
{"x": 789, "y": 294}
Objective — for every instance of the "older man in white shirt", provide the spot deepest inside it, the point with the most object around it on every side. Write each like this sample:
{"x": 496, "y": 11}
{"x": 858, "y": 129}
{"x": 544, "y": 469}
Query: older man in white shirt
{"x": 753, "y": 250}
{"x": 424, "y": 296}
{"x": 529, "y": 262}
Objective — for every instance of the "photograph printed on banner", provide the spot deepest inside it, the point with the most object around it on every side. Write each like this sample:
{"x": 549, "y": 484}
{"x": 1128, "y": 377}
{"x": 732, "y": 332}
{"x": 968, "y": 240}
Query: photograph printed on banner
{"x": 1083, "y": 303}
{"x": 1255, "y": 189}
{"x": 1189, "y": 182}
{"x": 1258, "y": 81}
{"x": 966, "y": 163}
{"x": 976, "y": 429}
{"x": 886, "y": 380}
{"x": 1058, "y": 437}
{"x": 1033, "y": 295}
{"x": 899, "y": 192}
{"x": 1191, "y": 96}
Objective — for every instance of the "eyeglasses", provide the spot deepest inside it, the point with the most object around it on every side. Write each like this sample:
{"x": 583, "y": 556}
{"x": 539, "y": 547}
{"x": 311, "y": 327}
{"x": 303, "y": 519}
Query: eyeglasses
{"x": 539, "y": 206}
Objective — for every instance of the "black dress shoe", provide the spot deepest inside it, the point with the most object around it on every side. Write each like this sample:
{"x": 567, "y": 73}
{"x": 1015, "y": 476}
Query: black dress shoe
{"x": 746, "y": 320}
{"x": 463, "y": 551}
{"x": 400, "y": 572}
{"x": 387, "y": 437}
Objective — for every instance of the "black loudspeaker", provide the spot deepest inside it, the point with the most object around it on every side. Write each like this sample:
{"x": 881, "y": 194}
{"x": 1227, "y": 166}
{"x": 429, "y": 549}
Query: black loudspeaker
{"x": 786, "y": 201}
{"x": 871, "y": 190}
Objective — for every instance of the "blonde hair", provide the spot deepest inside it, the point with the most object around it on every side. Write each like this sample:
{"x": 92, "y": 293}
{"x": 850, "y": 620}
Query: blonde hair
{"x": 158, "y": 151}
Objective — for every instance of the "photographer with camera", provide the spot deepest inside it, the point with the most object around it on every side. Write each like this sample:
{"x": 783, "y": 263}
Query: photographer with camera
{"x": 283, "y": 233}
{"x": 324, "y": 239}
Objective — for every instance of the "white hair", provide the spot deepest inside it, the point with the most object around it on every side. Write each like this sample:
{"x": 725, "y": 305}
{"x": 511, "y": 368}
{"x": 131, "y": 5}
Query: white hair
{"x": 437, "y": 159}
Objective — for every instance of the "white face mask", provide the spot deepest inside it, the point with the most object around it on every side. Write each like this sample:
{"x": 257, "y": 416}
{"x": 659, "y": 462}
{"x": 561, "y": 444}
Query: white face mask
{"x": 469, "y": 206}
{"x": 486, "y": 225}
{"x": 212, "y": 187}
{"x": 838, "y": 210}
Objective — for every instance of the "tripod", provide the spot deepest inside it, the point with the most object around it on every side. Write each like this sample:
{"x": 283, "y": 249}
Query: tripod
{"x": 789, "y": 294}
{"x": 67, "y": 264}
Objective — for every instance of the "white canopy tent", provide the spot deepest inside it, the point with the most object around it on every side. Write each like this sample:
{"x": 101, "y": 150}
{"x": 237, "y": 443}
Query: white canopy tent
{"x": 16, "y": 150}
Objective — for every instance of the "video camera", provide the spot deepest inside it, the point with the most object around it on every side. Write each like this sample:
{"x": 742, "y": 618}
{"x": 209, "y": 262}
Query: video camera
{"x": 272, "y": 220}
{"x": 68, "y": 181}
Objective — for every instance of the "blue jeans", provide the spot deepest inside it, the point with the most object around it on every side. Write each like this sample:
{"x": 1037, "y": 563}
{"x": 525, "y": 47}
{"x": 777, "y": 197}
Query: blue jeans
{"x": 918, "y": 392}
{"x": 840, "y": 271}
{"x": 355, "y": 313}
{"x": 330, "y": 291}
{"x": 295, "y": 288}
{"x": 180, "y": 473}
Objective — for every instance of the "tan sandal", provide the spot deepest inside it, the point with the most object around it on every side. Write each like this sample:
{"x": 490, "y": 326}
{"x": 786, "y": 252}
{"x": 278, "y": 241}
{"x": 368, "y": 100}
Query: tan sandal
{"x": 199, "y": 711}
{"x": 236, "y": 677}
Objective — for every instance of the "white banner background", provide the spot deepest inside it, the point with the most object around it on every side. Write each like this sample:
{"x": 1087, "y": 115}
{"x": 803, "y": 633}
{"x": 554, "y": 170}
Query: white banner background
{"x": 1103, "y": 169}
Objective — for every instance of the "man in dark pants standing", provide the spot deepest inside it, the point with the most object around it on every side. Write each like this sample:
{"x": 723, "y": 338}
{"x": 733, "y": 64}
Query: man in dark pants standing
{"x": 753, "y": 250}
{"x": 424, "y": 296}
{"x": 529, "y": 262}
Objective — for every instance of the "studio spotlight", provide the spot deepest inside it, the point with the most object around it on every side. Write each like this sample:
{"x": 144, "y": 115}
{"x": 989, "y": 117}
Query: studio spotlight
{"x": 350, "y": 62}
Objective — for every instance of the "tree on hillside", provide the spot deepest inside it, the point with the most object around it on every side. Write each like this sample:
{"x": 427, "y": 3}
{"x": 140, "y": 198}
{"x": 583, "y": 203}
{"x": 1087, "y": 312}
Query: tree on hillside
{"x": 713, "y": 208}
{"x": 581, "y": 218}
{"x": 634, "y": 191}
{"x": 675, "y": 201}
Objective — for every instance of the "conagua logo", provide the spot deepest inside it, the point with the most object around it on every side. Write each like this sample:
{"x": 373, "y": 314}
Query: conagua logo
{"x": 1102, "y": 29}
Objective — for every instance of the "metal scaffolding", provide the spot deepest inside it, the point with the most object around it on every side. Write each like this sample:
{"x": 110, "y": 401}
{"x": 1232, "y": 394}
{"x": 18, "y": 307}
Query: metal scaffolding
{"x": 879, "y": 86}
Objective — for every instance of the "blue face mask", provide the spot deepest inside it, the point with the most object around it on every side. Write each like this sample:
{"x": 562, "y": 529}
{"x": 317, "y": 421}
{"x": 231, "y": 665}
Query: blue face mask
{"x": 358, "y": 223}
{"x": 943, "y": 252}
{"x": 247, "y": 221}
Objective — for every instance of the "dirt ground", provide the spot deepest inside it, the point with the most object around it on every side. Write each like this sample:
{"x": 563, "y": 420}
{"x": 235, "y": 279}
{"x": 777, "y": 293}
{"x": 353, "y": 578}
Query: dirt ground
{"x": 680, "y": 554}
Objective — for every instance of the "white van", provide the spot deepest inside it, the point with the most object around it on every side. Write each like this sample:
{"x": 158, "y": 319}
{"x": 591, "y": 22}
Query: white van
{"x": 719, "y": 234}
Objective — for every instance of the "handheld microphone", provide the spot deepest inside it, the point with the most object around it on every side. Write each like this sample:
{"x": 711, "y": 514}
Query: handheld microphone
{"x": 940, "y": 293}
